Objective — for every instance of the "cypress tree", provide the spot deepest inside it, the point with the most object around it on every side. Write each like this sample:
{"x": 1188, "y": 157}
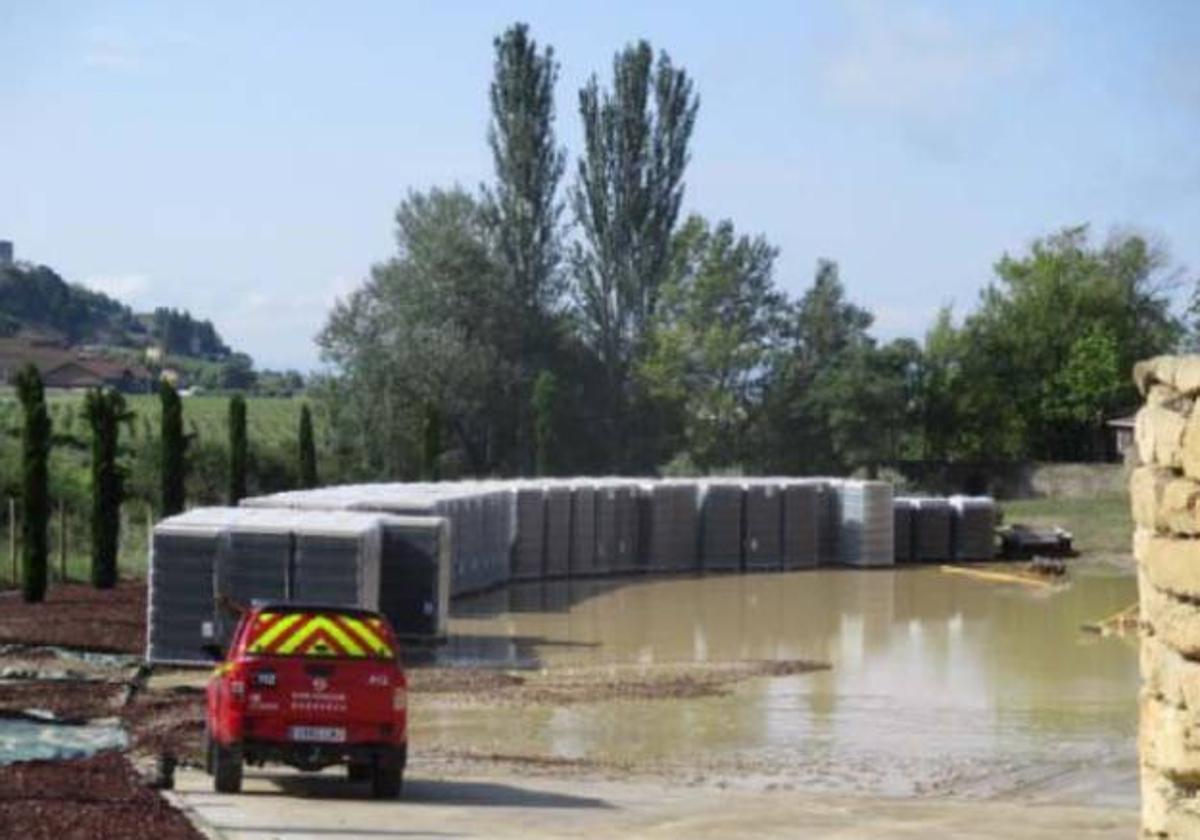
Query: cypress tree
{"x": 35, "y": 481}
{"x": 237, "y": 449}
{"x": 105, "y": 413}
{"x": 174, "y": 446}
{"x": 545, "y": 399}
{"x": 308, "y": 449}
{"x": 432, "y": 443}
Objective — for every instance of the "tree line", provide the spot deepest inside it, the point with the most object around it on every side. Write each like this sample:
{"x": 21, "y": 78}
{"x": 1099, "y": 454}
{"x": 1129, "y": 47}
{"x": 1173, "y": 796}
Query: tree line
{"x": 106, "y": 413}
{"x": 552, "y": 323}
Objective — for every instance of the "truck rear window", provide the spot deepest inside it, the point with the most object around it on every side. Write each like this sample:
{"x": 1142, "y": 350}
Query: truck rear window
{"x": 317, "y": 634}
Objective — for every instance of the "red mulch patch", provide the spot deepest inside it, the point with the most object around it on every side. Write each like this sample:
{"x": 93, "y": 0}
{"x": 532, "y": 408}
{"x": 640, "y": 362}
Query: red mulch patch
{"x": 69, "y": 699}
{"x": 78, "y": 616}
{"x": 87, "y": 798}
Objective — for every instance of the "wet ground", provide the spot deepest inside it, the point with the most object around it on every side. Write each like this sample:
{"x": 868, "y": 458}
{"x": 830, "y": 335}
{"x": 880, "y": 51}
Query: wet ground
{"x": 939, "y": 683}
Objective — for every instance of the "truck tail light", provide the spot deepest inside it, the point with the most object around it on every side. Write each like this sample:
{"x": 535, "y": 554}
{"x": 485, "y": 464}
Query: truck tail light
{"x": 237, "y": 684}
{"x": 400, "y": 699}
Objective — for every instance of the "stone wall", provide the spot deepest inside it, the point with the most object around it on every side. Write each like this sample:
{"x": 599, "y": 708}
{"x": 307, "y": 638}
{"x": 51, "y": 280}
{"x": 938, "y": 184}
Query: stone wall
{"x": 1165, "y": 494}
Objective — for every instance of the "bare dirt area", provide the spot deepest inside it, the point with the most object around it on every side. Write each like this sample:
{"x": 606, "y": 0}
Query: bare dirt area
{"x": 568, "y": 686}
{"x": 100, "y": 796}
{"x": 80, "y": 617}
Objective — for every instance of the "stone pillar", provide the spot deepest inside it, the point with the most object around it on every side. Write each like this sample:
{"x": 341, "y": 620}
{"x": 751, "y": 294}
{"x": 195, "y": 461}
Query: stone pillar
{"x": 1165, "y": 494}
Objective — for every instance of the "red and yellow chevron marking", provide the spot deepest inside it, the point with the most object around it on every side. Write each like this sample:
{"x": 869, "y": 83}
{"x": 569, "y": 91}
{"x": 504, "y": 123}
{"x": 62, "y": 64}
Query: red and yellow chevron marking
{"x": 317, "y": 634}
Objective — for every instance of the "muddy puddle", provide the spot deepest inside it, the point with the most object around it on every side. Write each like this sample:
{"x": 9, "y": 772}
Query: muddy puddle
{"x": 939, "y": 683}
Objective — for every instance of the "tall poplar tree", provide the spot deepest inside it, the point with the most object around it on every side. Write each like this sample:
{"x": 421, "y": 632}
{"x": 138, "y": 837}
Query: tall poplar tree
{"x": 626, "y": 201}
{"x": 35, "y": 479}
{"x": 238, "y": 449}
{"x": 174, "y": 450}
{"x": 522, "y": 206}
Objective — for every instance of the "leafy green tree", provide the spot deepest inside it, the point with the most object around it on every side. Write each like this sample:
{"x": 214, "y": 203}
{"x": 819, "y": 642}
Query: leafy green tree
{"x": 238, "y": 449}
{"x": 1020, "y": 341}
{"x": 308, "y": 449}
{"x": 173, "y": 444}
{"x": 545, "y": 410}
{"x": 626, "y": 201}
{"x": 719, "y": 322}
{"x": 35, "y": 495}
{"x": 430, "y": 327}
{"x": 106, "y": 411}
{"x": 823, "y": 332}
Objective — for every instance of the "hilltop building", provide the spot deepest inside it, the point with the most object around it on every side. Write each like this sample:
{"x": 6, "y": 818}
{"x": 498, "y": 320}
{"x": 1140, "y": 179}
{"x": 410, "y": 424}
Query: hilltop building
{"x": 61, "y": 367}
{"x": 6, "y": 253}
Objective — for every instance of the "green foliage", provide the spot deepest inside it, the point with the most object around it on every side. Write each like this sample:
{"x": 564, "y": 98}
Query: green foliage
{"x": 431, "y": 439}
{"x": 105, "y": 410}
{"x": 35, "y": 297}
{"x": 35, "y": 493}
{"x": 308, "y": 449}
{"x": 178, "y": 334}
{"x": 173, "y": 443}
{"x": 720, "y": 320}
{"x": 430, "y": 328}
{"x": 1031, "y": 389}
{"x": 238, "y": 449}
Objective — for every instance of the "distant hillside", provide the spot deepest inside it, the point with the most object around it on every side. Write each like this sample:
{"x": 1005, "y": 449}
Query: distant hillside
{"x": 36, "y": 302}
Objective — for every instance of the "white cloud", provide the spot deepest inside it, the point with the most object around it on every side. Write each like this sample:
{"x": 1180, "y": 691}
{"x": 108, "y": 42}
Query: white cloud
{"x": 110, "y": 49}
{"x": 127, "y": 288}
{"x": 911, "y": 59}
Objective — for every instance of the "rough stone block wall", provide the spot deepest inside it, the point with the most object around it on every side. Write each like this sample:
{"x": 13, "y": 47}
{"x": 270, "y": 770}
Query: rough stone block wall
{"x": 1165, "y": 494}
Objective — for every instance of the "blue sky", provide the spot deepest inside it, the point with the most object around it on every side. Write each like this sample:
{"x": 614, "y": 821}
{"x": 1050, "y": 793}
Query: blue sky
{"x": 244, "y": 160}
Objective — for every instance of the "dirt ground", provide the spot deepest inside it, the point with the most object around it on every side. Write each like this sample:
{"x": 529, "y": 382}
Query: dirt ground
{"x": 101, "y": 796}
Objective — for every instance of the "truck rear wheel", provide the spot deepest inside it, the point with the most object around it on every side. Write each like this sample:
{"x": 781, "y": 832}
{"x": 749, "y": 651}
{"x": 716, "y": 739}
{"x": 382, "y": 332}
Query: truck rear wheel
{"x": 387, "y": 777}
{"x": 360, "y": 771}
{"x": 226, "y": 768}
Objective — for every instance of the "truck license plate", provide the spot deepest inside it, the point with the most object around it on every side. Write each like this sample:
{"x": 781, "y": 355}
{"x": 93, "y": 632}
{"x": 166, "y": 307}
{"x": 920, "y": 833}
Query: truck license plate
{"x": 321, "y": 734}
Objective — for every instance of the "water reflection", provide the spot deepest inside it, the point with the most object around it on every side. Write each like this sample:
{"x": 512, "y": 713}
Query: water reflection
{"x": 936, "y": 679}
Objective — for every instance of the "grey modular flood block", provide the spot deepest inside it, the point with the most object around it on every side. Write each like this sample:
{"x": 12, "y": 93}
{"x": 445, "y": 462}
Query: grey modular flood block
{"x": 583, "y": 530}
{"x": 558, "y": 530}
{"x": 180, "y": 606}
{"x": 974, "y": 527}
{"x": 206, "y": 563}
{"x": 763, "y": 534}
{"x": 904, "y": 513}
{"x": 414, "y": 575}
{"x": 626, "y": 528}
{"x": 670, "y": 525}
{"x": 934, "y": 526}
{"x": 721, "y": 518}
{"x": 529, "y": 547}
{"x": 829, "y": 523}
{"x": 866, "y": 537}
{"x": 801, "y": 539}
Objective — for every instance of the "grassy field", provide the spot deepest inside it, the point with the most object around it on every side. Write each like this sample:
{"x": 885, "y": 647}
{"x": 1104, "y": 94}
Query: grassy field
{"x": 272, "y": 425}
{"x": 1101, "y": 524}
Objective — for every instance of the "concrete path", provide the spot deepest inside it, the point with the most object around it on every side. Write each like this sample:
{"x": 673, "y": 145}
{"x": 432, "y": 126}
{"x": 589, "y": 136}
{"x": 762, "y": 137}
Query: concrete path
{"x": 288, "y": 805}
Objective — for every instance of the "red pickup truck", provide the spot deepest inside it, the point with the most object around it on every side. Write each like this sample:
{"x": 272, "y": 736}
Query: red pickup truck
{"x": 309, "y": 686}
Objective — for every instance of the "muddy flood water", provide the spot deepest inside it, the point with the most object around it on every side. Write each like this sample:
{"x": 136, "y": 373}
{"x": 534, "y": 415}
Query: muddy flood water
{"x": 939, "y": 683}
